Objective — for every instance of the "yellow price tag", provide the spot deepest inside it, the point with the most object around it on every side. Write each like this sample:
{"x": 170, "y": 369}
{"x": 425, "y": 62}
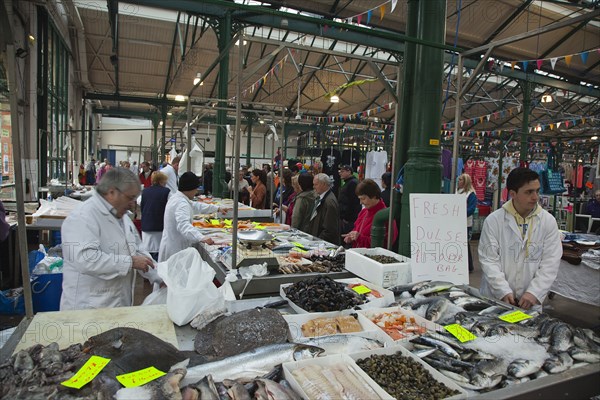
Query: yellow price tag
{"x": 227, "y": 222}
{"x": 514, "y": 317}
{"x": 434, "y": 142}
{"x": 260, "y": 227}
{"x": 460, "y": 333}
{"x": 361, "y": 289}
{"x": 215, "y": 222}
{"x": 139, "y": 378}
{"x": 87, "y": 372}
{"x": 299, "y": 245}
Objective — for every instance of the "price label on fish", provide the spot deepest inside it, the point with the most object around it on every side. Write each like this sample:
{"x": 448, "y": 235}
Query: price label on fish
{"x": 514, "y": 317}
{"x": 438, "y": 237}
{"x": 361, "y": 289}
{"x": 87, "y": 372}
{"x": 460, "y": 333}
{"x": 139, "y": 378}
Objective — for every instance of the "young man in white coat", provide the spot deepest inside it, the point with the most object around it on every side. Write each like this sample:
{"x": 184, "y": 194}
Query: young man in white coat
{"x": 171, "y": 171}
{"x": 179, "y": 233}
{"x": 520, "y": 246}
{"x": 101, "y": 247}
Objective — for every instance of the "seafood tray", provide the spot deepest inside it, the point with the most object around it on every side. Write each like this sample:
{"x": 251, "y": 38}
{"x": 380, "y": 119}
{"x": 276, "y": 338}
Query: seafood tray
{"x": 434, "y": 373}
{"x": 387, "y": 297}
{"x": 385, "y": 275}
{"x": 394, "y": 330}
{"x": 296, "y": 321}
{"x": 326, "y": 363}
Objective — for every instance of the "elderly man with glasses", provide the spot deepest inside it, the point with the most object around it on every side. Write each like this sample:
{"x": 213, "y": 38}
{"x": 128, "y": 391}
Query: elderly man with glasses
{"x": 101, "y": 247}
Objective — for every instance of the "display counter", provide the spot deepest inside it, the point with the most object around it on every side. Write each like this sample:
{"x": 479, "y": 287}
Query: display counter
{"x": 578, "y": 282}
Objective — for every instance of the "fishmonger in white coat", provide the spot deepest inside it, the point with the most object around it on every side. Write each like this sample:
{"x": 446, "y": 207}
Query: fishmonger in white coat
{"x": 101, "y": 247}
{"x": 179, "y": 233}
{"x": 520, "y": 247}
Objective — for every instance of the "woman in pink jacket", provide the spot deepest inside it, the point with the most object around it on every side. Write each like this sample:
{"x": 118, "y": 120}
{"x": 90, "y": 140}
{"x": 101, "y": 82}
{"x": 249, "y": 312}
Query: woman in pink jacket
{"x": 369, "y": 194}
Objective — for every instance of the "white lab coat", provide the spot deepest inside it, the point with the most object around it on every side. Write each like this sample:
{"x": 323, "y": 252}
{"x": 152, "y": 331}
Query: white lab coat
{"x": 508, "y": 267}
{"x": 97, "y": 254}
{"x": 170, "y": 172}
{"x": 178, "y": 232}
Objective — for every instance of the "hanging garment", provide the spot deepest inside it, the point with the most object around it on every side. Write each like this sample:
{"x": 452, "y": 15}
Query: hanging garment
{"x": 376, "y": 165}
{"x": 447, "y": 163}
{"x": 351, "y": 157}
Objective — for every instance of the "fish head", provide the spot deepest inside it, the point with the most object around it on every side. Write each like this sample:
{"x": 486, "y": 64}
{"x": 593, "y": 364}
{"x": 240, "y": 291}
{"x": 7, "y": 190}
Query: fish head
{"x": 304, "y": 351}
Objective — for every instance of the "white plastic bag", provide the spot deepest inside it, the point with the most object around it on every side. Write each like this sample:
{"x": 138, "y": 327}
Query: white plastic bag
{"x": 157, "y": 297}
{"x": 190, "y": 286}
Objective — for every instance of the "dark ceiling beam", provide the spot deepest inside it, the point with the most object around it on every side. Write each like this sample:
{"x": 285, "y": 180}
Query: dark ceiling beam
{"x": 508, "y": 21}
{"x": 171, "y": 58}
{"x": 563, "y": 39}
{"x": 113, "y": 20}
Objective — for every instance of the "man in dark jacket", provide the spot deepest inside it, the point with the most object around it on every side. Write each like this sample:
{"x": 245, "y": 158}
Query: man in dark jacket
{"x": 324, "y": 220}
{"x": 348, "y": 200}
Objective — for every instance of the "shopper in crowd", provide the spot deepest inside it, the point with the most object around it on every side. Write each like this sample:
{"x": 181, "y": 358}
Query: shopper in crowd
{"x": 146, "y": 175}
{"x": 207, "y": 179}
{"x": 348, "y": 200}
{"x": 179, "y": 233}
{"x": 153, "y": 203}
{"x": 465, "y": 187}
{"x": 134, "y": 168}
{"x": 243, "y": 194}
{"x": 303, "y": 203}
{"x": 593, "y": 206}
{"x": 90, "y": 172}
{"x": 101, "y": 247}
{"x": 369, "y": 195}
{"x": 386, "y": 183}
{"x": 171, "y": 171}
{"x": 270, "y": 183}
{"x": 81, "y": 174}
{"x": 285, "y": 195}
{"x": 4, "y": 226}
{"x": 520, "y": 247}
{"x": 258, "y": 192}
{"x": 325, "y": 215}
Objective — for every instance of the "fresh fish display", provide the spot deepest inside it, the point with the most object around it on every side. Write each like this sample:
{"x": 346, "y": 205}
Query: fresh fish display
{"x": 323, "y": 294}
{"x": 520, "y": 368}
{"x": 333, "y": 382}
{"x": 558, "y": 363}
{"x": 240, "y": 332}
{"x": 433, "y": 287}
{"x": 342, "y": 344}
{"x": 431, "y": 342}
{"x": 251, "y": 364}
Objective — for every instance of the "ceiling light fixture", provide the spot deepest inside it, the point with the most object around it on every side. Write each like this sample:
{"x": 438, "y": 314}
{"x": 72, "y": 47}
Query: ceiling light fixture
{"x": 160, "y": 123}
{"x": 237, "y": 43}
{"x": 334, "y": 99}
{"x": 198, "y": 79}
{"x": 546, "y": 98}
{"x": 594, "y": 138}
{"x": 179, "y": 97}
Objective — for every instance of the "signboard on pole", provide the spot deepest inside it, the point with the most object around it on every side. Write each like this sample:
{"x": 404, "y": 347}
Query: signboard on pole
{"x": 438, "y": 235}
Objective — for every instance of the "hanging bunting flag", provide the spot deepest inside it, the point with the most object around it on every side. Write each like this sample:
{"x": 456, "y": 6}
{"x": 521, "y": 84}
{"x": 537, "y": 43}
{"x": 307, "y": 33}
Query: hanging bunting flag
{"x": 558, "y": 125}
{"x": 512, "y": 65}
{"x": 349, "y": 20}
{"x": 381, "y": 12}
{"x": 530, "y": 128}
{"x": 488, "y": 117}
{"x": 325, "y": 28}
{"x": 567, "y": 124}
{"x": 551, "y": 127}
{"x": 519, "y": 108}
{"x": 553, "y": 62}
{"x": 583, "y": 120}
{"x": 525, "y": 63}
{"x": 568, "y": 60}
{"x": 481, "y": 120}
{"x": 369, "y": 13}
{"x": 584, "y": 57}
{"x": 539, "y": 64}
{"x": 394, "y": 3}
{"x": 359, "y": 18}
{"x": 501, "y": 66}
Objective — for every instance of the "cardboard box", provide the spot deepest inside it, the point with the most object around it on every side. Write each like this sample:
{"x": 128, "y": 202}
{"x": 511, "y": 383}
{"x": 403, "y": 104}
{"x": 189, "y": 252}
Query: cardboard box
{"x": 329, "y": 361}
{"x": 384, "y": 275}
{"x": 386, "y": 299}
{"x": 434, "y": 373}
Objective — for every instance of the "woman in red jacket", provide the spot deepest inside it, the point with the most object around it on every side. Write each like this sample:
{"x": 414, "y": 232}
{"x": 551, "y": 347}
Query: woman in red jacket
{"x": 369, "y": 194}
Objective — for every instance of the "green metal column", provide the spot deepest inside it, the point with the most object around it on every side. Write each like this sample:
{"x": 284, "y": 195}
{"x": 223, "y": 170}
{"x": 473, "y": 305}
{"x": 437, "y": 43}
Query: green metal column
{"x": 224, "y": 37}
{"x": 424, "y": 72}
{"x": 251, "y": 120}
{"x": 526, "y": 85}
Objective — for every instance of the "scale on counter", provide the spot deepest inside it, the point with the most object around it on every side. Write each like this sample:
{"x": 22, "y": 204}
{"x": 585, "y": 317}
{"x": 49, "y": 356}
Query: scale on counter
{"x": 252, "y": 250}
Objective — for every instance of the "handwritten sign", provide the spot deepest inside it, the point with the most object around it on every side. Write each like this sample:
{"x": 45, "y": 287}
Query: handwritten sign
{"x": 139, "y": 378}
{"x": 514, "y": 317}
{"x": 438, "y": 237}
{"x": 460, "y": 333}
{"x": 87, "y": 372}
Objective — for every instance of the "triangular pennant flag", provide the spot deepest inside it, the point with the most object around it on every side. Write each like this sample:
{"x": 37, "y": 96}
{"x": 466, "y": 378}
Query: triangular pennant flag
{"x": 584, "y": 57}
{"x": 325, "y": 28}
{"x": 519, "y": 108}
{"x": 530, "y": 128}
{"x": 394, "y": 3}
{"x": 369, "y": 14}
{"x": 551, "y": 127}
{"x": 501, "y": 66}
{"x": 349, "y": 20}
{"x": 525, "y": 63}
{"x": 567, "y": 124}
{"x": 558, "y": 125}
{"x": 583, "y": 120}
{"x": 512, "y": 65}
{"x": 539, "y": 64}
{"x": 553, "y": 62}
{"x": 461, "y": 123}
{"x": 488, "y": 117}
{"x": 568, "y": 60}
{"x": 381, "y": 11}
{"x": 481, "y": 120}
{"x": 359, "y": 18}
